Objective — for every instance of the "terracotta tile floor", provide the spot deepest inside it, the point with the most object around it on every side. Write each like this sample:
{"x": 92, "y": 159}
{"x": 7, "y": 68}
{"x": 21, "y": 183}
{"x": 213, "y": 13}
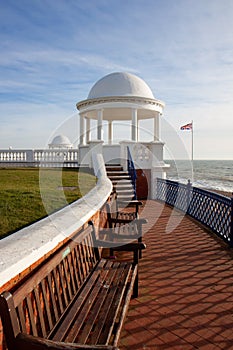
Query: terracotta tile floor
{"x": 185, "y": 290}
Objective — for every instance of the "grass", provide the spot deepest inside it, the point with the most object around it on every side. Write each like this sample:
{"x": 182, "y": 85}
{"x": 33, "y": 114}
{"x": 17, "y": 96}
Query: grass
{"x": 29, "y": 194}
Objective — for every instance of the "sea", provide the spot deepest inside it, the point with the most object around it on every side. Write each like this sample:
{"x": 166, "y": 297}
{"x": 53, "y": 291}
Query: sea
{"x": 208, "y": 174}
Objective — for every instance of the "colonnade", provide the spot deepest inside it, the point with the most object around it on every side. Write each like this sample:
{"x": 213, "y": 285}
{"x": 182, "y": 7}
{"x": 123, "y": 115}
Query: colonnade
{"x": 85, "y": 127}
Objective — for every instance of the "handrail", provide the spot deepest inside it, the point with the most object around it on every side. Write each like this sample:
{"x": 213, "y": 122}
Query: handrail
{"x": 132, "y": 171}
{"x": 209, "y": 208}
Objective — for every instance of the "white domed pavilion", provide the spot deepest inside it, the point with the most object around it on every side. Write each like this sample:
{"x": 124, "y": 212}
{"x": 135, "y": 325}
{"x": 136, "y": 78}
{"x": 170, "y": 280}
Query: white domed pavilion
{"x": 118, "y": 97}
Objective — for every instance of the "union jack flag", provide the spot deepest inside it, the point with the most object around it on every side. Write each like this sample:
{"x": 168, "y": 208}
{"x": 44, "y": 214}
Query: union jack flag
{"x": 188, "y": 126}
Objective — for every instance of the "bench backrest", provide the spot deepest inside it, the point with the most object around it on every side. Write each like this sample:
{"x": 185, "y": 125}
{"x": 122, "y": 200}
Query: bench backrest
{"x": 112, "y": 208}
{"x": 41, "y": 300}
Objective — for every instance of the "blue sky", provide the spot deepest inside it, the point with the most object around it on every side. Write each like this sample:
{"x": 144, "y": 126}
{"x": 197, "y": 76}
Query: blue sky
{"x": 52, "y": 52}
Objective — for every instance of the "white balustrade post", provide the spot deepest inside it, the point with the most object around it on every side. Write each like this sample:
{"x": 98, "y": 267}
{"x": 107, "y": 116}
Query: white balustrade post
{"x": 88, "y": 131}
{"x": 81, "y": 129}
{"x": 110, "y": 132}
{"x": 30, "y": 156}
{"x": 100, "y": 125}
{"x": 134, "y": 126}
{"x": 156, "y": 127}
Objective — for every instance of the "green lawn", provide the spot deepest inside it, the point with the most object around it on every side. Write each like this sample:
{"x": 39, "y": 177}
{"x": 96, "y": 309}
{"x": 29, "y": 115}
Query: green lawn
{"x": 29, "y": 194}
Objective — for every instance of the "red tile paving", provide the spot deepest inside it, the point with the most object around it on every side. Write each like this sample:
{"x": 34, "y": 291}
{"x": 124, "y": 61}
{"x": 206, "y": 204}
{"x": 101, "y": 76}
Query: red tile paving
{"x": 185, "y": 287}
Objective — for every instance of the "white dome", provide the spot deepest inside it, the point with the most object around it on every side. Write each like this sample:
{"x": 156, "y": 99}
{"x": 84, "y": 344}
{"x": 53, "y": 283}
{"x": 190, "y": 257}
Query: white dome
{"x": 60, "y": 141}
{"x": 120, "y": 84}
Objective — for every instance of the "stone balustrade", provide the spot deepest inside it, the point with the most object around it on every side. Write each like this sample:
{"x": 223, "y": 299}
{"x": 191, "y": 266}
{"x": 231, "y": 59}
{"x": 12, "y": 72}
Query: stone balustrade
{"x": 39, "y": 157}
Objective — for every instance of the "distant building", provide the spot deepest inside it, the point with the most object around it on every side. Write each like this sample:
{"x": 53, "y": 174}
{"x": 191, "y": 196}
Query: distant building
{"x": 60, "y": 141}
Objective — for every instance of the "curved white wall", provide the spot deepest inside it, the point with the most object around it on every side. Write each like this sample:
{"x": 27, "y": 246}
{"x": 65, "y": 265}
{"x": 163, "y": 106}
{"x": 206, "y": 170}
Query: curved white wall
{"x": 25, "y": 247}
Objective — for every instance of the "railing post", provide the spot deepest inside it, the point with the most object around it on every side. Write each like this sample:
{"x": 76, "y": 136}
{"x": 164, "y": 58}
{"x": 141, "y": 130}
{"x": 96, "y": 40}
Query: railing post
{"x": 231, "y": 232}
{"x": 132, "y": 171}
{"x": 188, "y": 197}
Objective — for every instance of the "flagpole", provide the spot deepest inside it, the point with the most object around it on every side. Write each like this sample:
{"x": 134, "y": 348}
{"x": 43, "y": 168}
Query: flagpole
{"x": 192, "y": 141}
{"x": 192, "y": 151}
{"x": 189, "y": 126}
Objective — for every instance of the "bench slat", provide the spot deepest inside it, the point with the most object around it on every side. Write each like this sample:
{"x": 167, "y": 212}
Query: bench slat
{"x": 80, "y": 334}
{"x": 61, "y": 331}
{"x": 80, "y": 268}
{"x": 96, "y": 308}
{"x": 113, "y": 307}
{"x": 125, "y": 306}
{"x": 82, "y": 265}
{"x": 109, "y": 300}
{"x": 66, "y": 278}
{"x": 64, "y": 290}
{"x": 40, "y": 312}
{"x": 57, "y": 290}
{"x": 46, "y": 295}
{"x": 51, "y": 286}
{"x": 75, "y": 270}
{"x": 31, "y": 316}
{"x": 92, "y": 298}
{"x": 21, "y": 316}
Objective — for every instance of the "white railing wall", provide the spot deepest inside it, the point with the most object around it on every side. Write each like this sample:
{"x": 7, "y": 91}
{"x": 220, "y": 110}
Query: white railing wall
{"x": 40, "y": 157}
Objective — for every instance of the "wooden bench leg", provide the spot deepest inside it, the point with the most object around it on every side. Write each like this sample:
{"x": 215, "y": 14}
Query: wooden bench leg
{"x": 135, "y": 288}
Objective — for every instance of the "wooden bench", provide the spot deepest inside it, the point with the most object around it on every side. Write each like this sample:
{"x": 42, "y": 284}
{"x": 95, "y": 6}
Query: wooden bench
{"x": 74, "y": 300}
{"x": 123, "y": 224}
{"x": 118, "y": 210}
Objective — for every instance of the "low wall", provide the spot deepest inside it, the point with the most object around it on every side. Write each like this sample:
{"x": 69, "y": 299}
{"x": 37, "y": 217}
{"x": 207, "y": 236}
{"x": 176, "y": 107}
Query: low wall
{"x": 59, "y": 157}
{"x": 24, "y": 250}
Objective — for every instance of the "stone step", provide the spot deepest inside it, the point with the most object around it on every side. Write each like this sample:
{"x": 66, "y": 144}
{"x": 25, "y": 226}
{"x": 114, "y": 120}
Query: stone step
{"x": 111, "y": 173}
{"x": 123, "y": 192}
{"x": 125, "y": 198}
{"x": 115, "y": 177}
{"x": 113, "y": 168}
{"x": 121, "y": 183}
{"x": 119, "y": 186}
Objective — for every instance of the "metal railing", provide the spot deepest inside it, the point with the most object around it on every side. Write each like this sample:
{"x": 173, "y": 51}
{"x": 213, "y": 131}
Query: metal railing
{"x": 132, "y": 171}
{"x": 209, "y": 208}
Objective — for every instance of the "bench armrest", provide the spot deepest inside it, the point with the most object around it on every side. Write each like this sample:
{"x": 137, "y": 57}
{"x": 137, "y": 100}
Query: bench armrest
{"x": 141, "y": 221}
{"x": 135, "y": 247}
{"x": 120, "y": 235}
{"x": 127, "y": 221}
{"x": 134, "y": 228}
{"x": 130, "y": 247}
{"x": 29, "y": 342}
{"x": 132, "y": 203}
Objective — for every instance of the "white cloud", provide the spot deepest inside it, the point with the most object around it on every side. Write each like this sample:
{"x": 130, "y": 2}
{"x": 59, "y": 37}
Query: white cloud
{"x": 55, "y": 52}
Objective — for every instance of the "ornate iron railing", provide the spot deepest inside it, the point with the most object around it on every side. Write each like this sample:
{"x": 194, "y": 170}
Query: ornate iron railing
{"x": 132, "y": 171}
{"x": 210, "y": 209}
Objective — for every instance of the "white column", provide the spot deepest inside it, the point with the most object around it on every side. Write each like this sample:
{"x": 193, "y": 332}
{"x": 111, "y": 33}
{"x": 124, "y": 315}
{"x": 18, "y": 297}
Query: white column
{"x": 134, "y": 126}
{"x": 100, "y": 125}
{"x": 81, "y": 129}
{"x": 156, "y": 127}
{"x": 110, "y": 132}
{"x": 88, "y": 131}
